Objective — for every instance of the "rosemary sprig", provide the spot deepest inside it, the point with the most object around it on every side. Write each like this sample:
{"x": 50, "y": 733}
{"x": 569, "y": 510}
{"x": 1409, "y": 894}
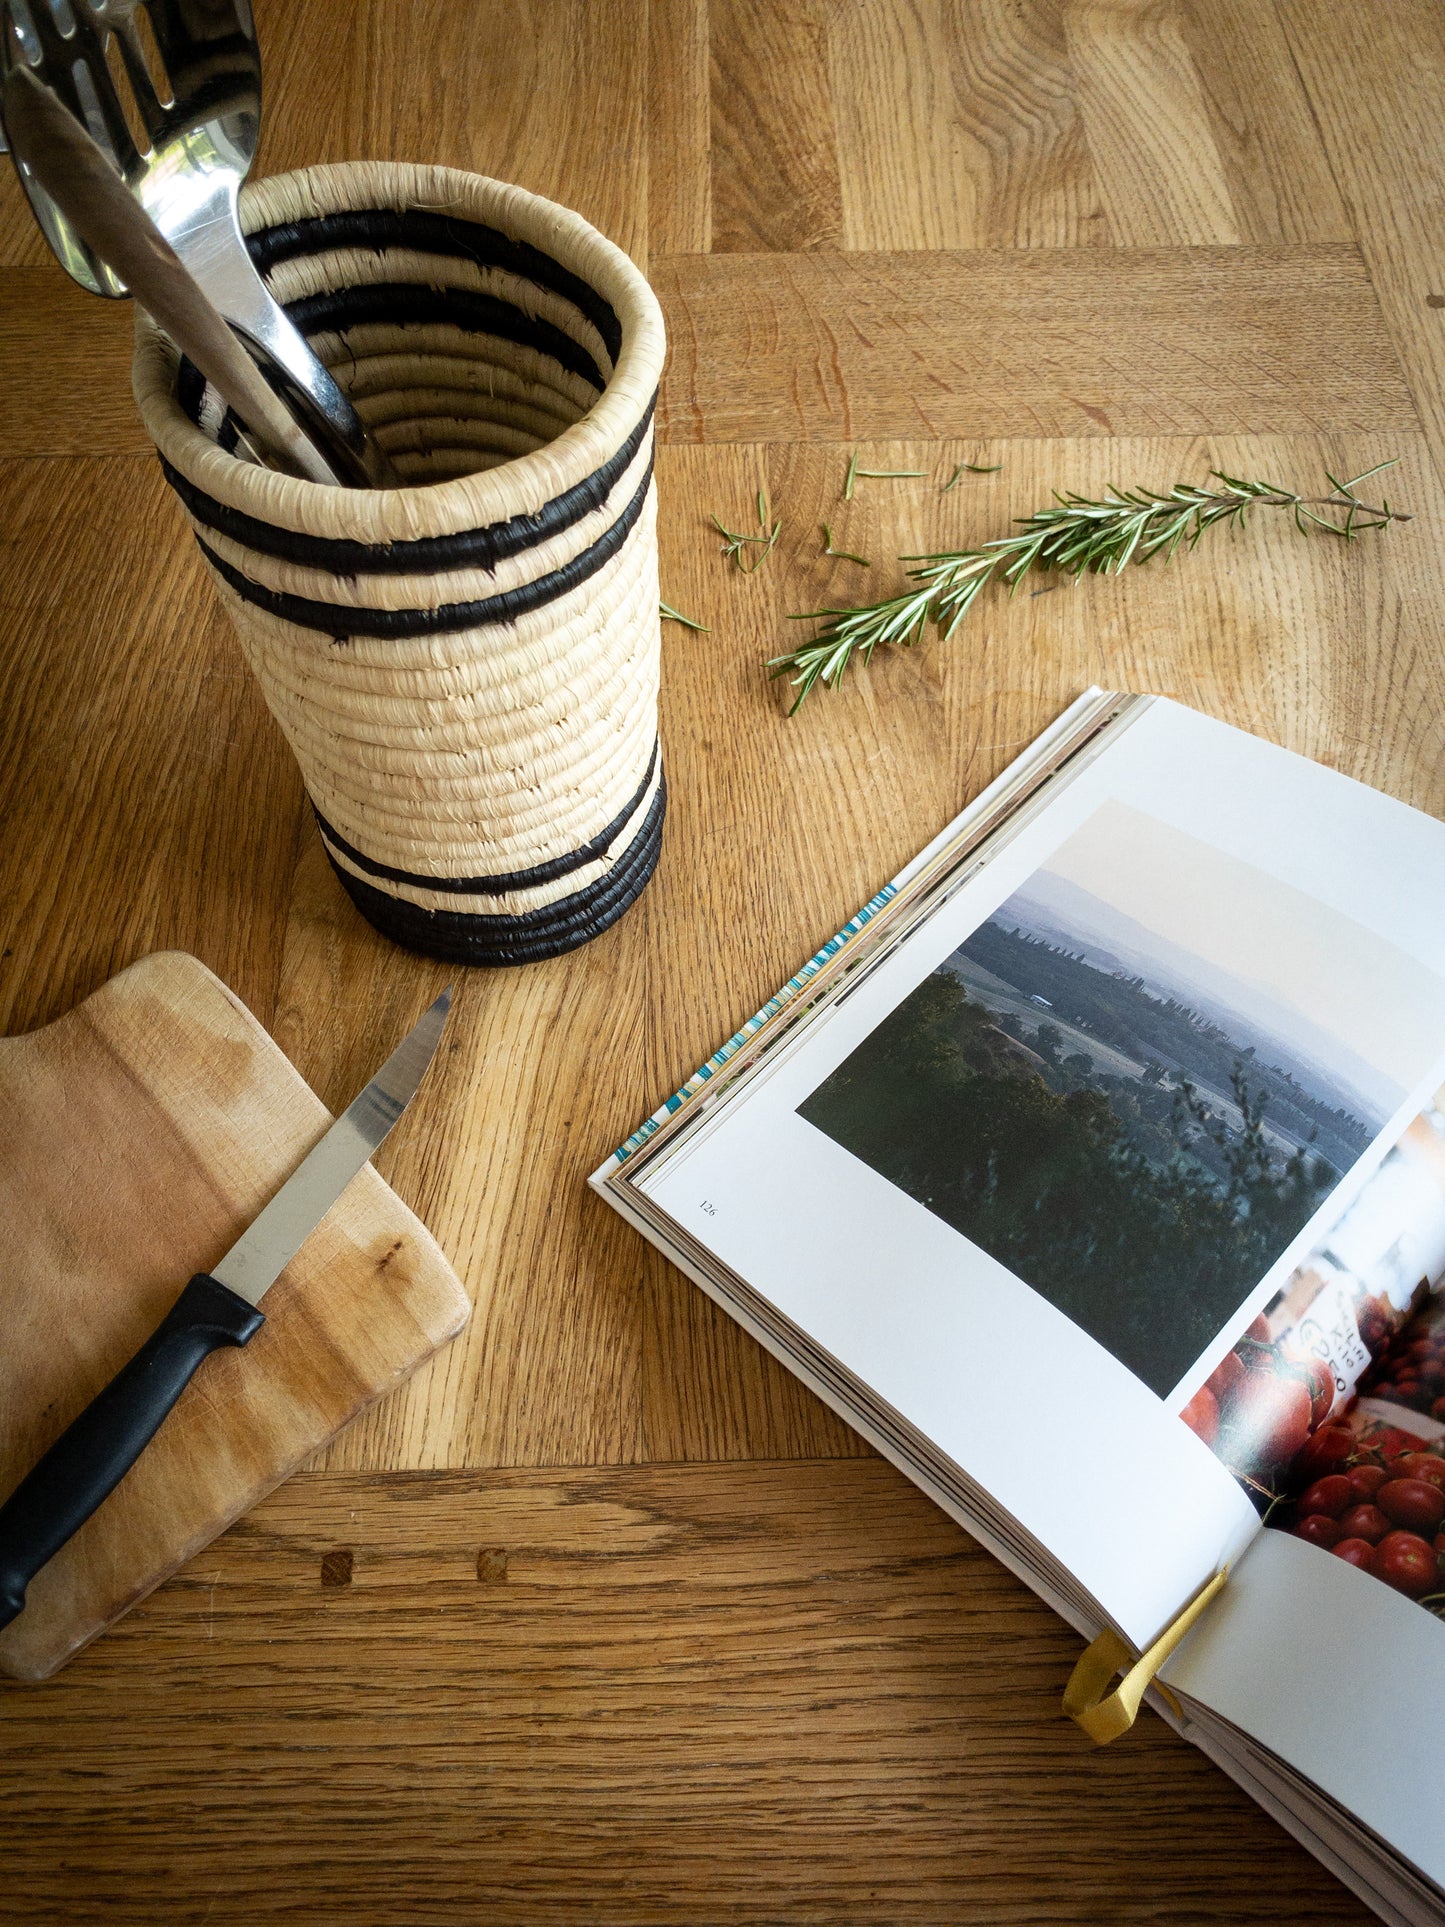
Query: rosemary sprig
{"x": 968, "y": 468}
{"x": 843, "y": 555}
{"x": 735, "y": 544}
{"x": 670, "y": 614}
{"x": 1076, "y": 535}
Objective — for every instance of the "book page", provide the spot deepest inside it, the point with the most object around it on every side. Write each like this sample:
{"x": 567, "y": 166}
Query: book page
{"x": 1339, "y": 1676}
{"x": 1034, "y": 1177}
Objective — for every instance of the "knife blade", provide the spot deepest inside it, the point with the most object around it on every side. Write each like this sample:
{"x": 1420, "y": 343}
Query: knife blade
{"x": 217, "y": 1308}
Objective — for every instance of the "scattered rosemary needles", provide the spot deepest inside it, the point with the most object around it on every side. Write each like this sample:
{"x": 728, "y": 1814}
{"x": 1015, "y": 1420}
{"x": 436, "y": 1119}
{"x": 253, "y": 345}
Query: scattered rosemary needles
{"x": 969, "y": 468}
{"x": 734, "y": 543}
{"x": 1076, "y": 535}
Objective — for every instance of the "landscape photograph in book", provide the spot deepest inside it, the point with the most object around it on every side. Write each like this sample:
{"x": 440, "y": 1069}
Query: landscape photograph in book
{"x": 1137, "y": 1081}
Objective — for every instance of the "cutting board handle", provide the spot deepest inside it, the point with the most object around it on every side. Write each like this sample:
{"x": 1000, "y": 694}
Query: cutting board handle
{"x": 94, "y": 1453}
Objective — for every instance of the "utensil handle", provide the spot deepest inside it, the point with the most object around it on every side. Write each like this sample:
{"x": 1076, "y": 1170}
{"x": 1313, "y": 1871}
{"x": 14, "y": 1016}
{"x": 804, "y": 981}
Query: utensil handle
{"x": 101, "y": 208}
{"x": 215, "y": 252}
{"x": 94, "y": 1453}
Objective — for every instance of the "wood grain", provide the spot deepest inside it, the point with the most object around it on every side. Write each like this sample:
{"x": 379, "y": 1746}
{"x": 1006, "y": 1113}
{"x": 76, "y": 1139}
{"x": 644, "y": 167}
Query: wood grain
{"x": 70, "y": 352}
{"x": 553, "y": 97}
{"x": 679, "y": 128}
{"x": 149, "y": 803}
{"x": 958, "y": 126}
{"x": 139, "y": 1135}
{"x": 1391, "y": 184}
{"x": 1161, "y": 177}
{"x": 734, "y": 1687}
{"x": 22, "y": 245}
{"x": 774, "y": 159}
{"x": 1056, "y": 341}
{"x": 1273, "y": 162}
{"x": 743, "y": 1694}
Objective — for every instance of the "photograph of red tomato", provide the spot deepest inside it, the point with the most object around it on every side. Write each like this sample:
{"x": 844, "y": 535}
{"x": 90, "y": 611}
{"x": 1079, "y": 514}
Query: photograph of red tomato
{"x": 1330, "y": 1408}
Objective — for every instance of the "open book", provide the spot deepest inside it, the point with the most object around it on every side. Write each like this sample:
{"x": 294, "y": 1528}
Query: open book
{"x": 1096, "y": 1173}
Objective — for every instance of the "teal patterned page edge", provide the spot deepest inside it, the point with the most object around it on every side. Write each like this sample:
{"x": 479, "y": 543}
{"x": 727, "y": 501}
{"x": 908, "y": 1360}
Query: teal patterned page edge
{"x": 1085, "y": 705}
{"x": 790, "y": 989}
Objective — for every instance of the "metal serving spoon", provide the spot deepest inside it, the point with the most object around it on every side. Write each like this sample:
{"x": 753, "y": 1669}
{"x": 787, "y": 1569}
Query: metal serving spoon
{"x": 170, "y": 90}
{"x": 84, "y": 187}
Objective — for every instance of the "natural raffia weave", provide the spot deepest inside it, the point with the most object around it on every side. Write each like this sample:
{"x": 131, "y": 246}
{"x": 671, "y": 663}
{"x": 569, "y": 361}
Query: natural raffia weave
{"x": 465, "y": 666}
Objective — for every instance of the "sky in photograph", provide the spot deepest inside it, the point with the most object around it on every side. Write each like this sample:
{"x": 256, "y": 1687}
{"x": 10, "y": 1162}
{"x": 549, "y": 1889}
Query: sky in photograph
{"x": 1291, "y": 952}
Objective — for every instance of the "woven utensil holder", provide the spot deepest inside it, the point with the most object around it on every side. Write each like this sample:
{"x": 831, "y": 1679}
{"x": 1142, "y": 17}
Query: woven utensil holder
{"x": 465, "y": 666}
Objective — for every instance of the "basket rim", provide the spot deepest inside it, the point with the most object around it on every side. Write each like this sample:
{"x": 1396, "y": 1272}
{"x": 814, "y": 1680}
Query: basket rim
{"x": 521, "y": 486}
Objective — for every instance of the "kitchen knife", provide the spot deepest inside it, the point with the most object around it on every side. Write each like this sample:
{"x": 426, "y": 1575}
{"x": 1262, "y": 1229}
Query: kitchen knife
{"x": 217, "y": 1308}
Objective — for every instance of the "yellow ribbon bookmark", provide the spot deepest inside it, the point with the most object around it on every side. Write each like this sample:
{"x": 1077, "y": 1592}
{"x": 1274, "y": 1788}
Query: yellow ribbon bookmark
{"x": 1104, "y": 1716}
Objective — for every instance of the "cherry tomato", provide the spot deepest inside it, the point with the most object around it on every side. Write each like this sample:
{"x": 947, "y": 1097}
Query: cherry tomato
{"x": 1330, "y": 1450}
{"x": 1366, "y": 1480}
{"x": 1365, "y": 1522}
{"x": 1259, "y": 1329}
{"x": 1407, "y": 1562}
{"x": 1201, "y": 1415}
{"x": 1332, "y": 1495}
{"x": 1437, "y": 1410}
{"x": 1415, "y": 1503}
{"x": 1318, "y": 1529}
{"x": 1355, "y": 1552}
{"x": 1423, "y": 1465}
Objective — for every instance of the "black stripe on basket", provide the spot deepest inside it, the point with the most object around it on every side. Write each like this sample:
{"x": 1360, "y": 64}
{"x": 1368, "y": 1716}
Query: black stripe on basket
{"x": 394, "y": 624}
{"x": 480, "y": 548}
{"x": 371, "y": 229}
{"x": 460, "y": 937}
{"x": 397, "y": 623}
{"x": 496, "y": 886}
{"x": 401, "y": 302}
{"x": 398, "y": 303}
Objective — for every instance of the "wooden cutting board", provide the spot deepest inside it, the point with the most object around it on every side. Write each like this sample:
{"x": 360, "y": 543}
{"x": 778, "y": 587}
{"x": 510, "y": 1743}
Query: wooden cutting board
{"x": 139, "y": 1135}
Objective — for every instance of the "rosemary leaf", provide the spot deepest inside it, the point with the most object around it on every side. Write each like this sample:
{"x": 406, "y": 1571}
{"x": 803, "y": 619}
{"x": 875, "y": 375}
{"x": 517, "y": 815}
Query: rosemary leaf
{"x": 968, "y": 468}
{"x": 843, "y": 555}
{"x": 675, "y": 615}
{"x": 856, "y": 474}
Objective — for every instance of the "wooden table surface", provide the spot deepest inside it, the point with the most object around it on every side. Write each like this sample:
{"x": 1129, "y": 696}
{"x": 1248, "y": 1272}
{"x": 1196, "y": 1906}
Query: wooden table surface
{"x": 604, "y": 1618}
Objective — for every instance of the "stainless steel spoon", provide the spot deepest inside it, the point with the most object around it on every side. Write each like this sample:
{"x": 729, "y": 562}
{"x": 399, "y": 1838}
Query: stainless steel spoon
{"x": 170, "y": 90}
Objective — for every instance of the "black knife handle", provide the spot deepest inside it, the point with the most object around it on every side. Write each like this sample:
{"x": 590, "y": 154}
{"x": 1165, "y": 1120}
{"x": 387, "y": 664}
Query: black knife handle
{"x": 95, "y": 1452}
